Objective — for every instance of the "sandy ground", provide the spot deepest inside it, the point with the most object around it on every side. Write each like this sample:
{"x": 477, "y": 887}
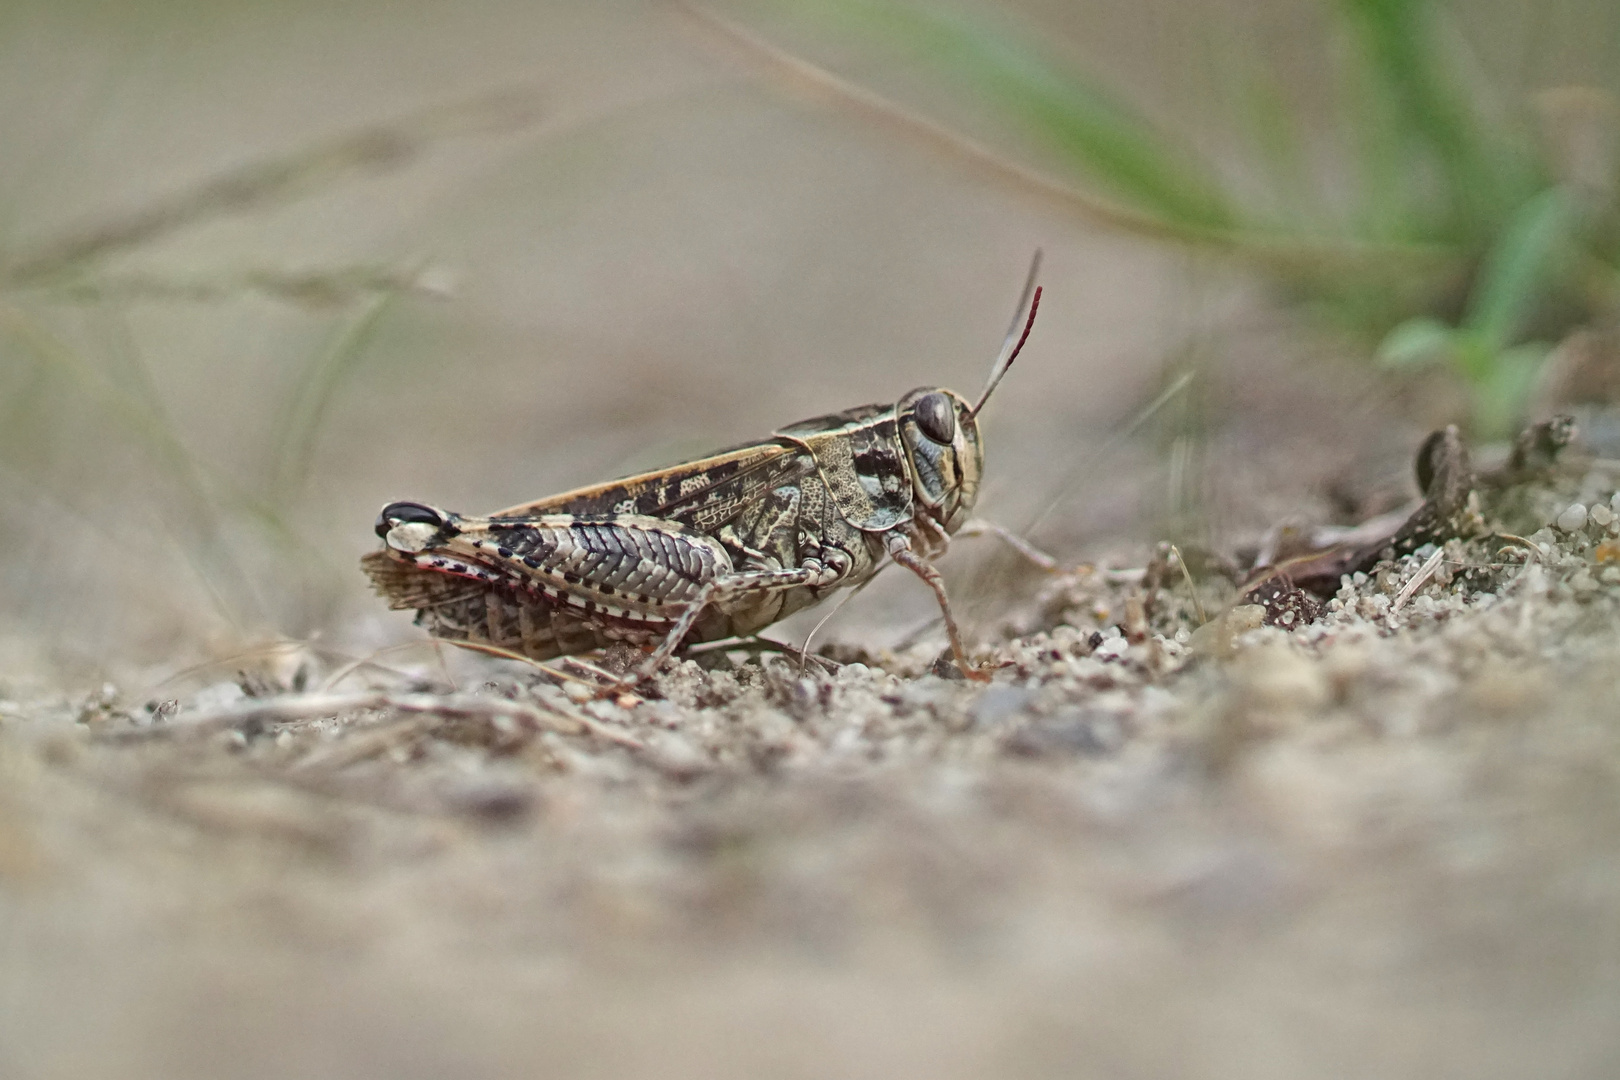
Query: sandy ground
{"x": 1381, "y": 845}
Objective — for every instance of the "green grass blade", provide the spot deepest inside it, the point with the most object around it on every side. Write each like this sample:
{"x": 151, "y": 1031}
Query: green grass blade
{"x": 312, "y": 394}
{"x": 327, "y": 287}
{"x": 1113, "y": 145}
{"x": 1273, "y": 127}
{"x": 1416, "y": 342}
{"x": 272, "y": 181}
{"x": 1522, "y": 264}
{"x": 1376, "y": 148}
{"x": 1405, "y": 67}
{"x": 221, "y": 574}
{"x": 207, "y": 490}
{"x": 1499, "y": 399}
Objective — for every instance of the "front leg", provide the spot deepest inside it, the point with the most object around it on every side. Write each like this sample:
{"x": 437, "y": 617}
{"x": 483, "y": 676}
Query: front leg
{"x": 900, "y": 551}
{"x": 981, "y": 527}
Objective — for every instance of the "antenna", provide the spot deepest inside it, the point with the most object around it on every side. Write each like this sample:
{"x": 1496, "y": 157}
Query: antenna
{"x": 1013, "y": 343}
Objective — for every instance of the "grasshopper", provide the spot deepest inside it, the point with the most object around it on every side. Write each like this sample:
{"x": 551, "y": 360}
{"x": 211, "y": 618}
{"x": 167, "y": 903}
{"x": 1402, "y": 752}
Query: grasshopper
{"x": 719, "y": 547}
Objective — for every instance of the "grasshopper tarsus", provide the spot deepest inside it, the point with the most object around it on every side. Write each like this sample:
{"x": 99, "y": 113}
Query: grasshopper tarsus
{"x": 909, "y": 559}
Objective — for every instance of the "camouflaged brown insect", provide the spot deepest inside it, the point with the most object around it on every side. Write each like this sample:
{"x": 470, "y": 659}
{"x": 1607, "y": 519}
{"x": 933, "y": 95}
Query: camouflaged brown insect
{"x": 719, "y": 547}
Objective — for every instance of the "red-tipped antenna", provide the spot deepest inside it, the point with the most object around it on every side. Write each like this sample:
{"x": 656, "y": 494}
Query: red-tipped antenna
{"x": 1010, "y": 347}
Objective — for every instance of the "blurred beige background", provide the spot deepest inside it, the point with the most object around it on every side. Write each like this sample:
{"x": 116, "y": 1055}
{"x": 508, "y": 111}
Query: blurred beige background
{"x": 678, "y": 253}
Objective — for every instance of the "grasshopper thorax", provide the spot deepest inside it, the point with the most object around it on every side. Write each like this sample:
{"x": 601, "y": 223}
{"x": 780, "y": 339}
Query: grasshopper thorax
{"x": 943, "y": 453}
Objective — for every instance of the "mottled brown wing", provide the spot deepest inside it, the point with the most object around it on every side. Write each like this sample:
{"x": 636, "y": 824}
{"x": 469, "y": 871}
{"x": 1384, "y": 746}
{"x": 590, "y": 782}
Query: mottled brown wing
{"x": 407, "y": 587}
{"x": 519, "y": 621}
{"x": 703, "y": 494}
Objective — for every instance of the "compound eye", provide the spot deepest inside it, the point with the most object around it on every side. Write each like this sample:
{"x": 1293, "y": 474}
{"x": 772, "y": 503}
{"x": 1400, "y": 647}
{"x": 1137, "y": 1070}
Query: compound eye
{"x": 936, "y": 417}
{"x": 407, "y": 513}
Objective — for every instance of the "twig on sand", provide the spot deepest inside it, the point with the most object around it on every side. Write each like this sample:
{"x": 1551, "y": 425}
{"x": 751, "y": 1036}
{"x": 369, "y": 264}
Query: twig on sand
{"x": 1530, "y": 546}
{"x": 253, "y": 716}
{"x": 1186, "y": 574}
{"x": 596, "y": 678}
{"x": 1425, "y": 572}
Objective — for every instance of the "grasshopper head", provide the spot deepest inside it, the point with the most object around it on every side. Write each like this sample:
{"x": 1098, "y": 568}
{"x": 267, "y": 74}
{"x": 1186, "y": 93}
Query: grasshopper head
{"x": 940, "y": 428}
{"x": 941, "y": 436}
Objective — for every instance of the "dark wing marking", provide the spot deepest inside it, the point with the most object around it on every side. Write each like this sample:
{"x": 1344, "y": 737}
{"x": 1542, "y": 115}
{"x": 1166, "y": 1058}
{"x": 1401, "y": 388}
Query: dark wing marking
{"x": 862, "y": 463}
{"x": 702, "y": 494}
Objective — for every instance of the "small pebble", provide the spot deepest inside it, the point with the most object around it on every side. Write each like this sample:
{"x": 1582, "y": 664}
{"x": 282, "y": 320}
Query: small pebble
{"x": 1110, "y": 647}
{"x": 604, "y": 710}
{"x": 1601, "y": 515}
{"x": 1614, "y": 502}
{"x": 1573, "y": 519}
